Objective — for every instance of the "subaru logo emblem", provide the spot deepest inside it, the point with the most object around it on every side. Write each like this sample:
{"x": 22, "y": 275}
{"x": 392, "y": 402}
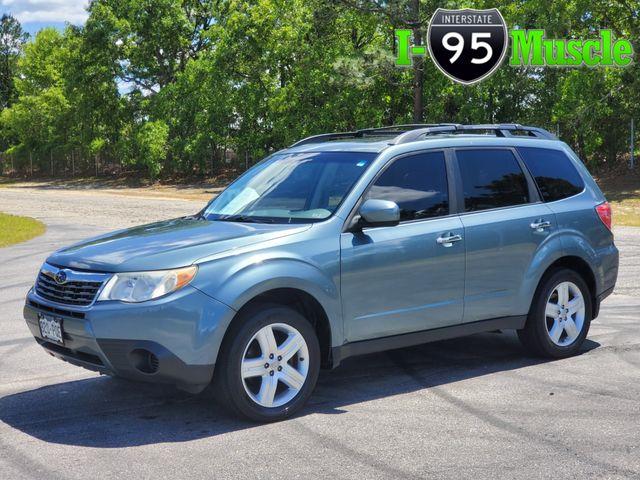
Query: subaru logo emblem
{"x": 61, "y": 277}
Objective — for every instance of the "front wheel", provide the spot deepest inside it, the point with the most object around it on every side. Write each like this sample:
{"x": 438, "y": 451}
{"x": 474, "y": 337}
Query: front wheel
{"x": 560, "y": 316}
{"x": 269, "y": 364}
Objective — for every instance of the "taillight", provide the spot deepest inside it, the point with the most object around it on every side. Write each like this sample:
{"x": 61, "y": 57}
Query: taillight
{"x": 604, "y": 212}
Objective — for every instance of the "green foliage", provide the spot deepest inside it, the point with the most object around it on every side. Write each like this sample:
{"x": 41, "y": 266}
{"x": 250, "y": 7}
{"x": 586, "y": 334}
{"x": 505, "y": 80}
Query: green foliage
{"x": 12, "y": 38}
{"x": 151, "y": 145}
{"x": 165, "y": 87}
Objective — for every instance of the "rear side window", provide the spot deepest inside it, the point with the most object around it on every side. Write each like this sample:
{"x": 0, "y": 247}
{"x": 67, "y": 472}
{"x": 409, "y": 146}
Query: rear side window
{"x": 491, "y": 178}
{"x": 553, "y": 171}
{"x": 417, "y": 183}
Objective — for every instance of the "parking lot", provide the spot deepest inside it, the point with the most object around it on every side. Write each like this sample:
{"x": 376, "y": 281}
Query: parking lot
{"x": 472, "y": 407}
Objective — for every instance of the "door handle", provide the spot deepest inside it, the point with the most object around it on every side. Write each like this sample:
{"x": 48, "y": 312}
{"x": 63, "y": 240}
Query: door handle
{"x": 448, "y": 240}
{"x": 540, "y": 225}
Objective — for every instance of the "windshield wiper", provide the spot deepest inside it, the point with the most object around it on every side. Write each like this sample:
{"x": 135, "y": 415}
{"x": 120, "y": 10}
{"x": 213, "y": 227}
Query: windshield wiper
{"x": 244, "y": 219}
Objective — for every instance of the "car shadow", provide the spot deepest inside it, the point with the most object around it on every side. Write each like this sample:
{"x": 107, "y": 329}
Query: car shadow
{"x": 103, "y": 412}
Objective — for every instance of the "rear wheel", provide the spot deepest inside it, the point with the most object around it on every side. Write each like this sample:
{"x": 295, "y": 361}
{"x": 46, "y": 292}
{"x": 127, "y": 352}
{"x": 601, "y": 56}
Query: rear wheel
{"x": 560, "y": 316}
{"x": 269, "y": 364}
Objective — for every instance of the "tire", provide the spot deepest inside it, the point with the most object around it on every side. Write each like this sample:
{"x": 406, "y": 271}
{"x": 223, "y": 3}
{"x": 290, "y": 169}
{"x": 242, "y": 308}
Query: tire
{"x": 552, "y": 331}
{"x": 248, "y": 343}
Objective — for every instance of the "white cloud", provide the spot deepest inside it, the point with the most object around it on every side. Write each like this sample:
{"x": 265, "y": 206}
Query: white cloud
{"x": 72, "y": 11}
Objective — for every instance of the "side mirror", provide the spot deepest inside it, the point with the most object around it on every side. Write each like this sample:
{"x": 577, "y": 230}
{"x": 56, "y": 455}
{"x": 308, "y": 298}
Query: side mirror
{"x": 379, "y": 213}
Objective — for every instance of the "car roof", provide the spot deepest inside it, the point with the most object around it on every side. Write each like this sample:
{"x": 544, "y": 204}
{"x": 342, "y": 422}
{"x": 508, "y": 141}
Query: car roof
{"x": 379, "y": 144}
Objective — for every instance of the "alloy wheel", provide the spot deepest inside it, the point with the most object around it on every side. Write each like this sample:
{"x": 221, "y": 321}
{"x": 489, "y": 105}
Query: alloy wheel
{"x": 275, "y": 365}
{"x": 565, "y": 314}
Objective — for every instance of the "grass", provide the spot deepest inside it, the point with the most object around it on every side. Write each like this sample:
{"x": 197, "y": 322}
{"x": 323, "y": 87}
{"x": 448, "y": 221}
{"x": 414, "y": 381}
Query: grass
{"x": 626, "y": 213}
{"x": 15, "y": 229}
{"x": 623, "y": 193}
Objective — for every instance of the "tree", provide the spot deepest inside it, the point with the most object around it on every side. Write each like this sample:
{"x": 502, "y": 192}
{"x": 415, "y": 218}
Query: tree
{"x": 154, "y": 38}
{"x": 36, "y": 121}
{"x": 169, "y": 87}
{"x": 151, "y": 146}
{"x": 12, "y": 39}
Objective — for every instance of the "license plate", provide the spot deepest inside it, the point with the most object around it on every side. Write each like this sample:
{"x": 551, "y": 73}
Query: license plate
{"x": 51, "y": 328}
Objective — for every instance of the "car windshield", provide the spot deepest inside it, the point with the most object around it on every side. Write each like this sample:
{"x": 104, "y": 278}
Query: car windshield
{"x": 291, "y": 188}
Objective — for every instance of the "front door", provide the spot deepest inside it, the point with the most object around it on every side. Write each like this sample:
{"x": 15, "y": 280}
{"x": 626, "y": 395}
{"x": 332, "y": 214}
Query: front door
{"x": 405, "y": 278}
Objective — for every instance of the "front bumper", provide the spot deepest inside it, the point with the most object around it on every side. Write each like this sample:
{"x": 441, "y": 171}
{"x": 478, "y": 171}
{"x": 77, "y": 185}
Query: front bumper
{"x": 172, "y": 340}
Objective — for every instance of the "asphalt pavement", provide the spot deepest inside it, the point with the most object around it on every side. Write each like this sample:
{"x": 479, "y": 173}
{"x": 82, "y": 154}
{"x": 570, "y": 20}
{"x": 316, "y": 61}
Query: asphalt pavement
{"x": 475, "y": 407}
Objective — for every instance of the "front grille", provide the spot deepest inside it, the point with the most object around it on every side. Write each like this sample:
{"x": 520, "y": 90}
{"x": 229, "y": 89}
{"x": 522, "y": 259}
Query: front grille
{"x": 74, "y": 292}
{"x": 73, "y": 354}
{"x": 59, "y": 311}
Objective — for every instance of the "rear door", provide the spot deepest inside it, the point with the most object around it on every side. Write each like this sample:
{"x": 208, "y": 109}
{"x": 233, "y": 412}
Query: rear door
{"x": 504, "y": 224}
{"x": 401, "y": 279}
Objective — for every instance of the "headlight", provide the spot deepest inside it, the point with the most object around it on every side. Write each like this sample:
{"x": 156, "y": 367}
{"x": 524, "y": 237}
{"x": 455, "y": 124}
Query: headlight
{"x": 141, "y": 286}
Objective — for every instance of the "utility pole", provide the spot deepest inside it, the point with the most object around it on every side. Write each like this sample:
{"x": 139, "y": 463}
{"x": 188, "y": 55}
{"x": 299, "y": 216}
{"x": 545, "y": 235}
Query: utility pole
{"x": 632, "y": 145}
{"x": 418, "y": 64}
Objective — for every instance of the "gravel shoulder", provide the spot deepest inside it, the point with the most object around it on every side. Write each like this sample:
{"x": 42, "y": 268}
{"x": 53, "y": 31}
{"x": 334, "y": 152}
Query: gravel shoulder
{"x": 470, "y": 407}
{"x": 99, "y": 210}
{"x": 196, "y": 191}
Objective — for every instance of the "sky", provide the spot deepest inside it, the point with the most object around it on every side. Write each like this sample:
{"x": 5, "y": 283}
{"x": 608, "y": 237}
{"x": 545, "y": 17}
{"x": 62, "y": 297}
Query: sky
{"x": 36, "y": 14}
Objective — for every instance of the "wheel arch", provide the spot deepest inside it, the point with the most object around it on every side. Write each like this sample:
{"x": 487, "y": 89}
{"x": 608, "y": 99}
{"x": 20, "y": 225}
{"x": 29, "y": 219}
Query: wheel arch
{"x": 301, "y": 301}
{"x": 312, "y": 288}
{"x": 582, "y": 268}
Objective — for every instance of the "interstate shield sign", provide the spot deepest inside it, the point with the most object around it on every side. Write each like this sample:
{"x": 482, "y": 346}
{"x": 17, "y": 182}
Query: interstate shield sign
{"x": 467, "y": 45}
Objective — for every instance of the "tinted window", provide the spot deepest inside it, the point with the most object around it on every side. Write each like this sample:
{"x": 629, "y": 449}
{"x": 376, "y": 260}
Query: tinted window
{"x": 418, "y": 184}
{"x": 491, "y": 179}
{"x": 554, "y": 173}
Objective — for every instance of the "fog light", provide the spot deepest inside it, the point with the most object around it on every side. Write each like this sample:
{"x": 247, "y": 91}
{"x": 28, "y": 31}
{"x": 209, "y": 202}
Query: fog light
{"x": 144, "y": 361}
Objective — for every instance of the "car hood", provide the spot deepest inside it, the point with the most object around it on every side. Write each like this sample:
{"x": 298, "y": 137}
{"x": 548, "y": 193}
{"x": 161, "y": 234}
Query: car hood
{"x": 164, "y": 245}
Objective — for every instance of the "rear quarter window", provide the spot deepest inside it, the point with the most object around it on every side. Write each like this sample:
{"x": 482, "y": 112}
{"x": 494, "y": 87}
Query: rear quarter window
{"x": 553, "y": 171}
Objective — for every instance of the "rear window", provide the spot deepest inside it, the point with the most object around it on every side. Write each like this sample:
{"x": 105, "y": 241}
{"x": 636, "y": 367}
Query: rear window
{"x": 491, "y": 178}
{"x": 555, "y": 174}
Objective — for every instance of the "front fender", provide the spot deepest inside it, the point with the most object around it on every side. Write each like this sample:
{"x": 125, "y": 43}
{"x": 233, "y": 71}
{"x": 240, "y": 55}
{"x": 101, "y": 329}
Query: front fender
{"x": 237, "y": 280}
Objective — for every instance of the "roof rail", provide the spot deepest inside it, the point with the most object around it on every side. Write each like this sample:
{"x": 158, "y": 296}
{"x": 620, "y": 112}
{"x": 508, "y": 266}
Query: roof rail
{"x": 389, "y": 131}
{"x": 499, "y": 130}
{"x": 414, "y": 131}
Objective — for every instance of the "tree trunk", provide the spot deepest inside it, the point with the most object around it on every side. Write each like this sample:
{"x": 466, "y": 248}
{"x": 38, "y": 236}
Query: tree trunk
{"x": 418, "y": 65}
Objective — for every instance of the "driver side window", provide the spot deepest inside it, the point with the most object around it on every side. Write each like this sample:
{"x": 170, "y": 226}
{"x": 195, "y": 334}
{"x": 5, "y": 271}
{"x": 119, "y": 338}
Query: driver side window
{"x": 417, "y": 183}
